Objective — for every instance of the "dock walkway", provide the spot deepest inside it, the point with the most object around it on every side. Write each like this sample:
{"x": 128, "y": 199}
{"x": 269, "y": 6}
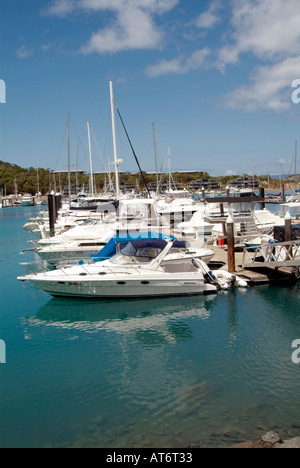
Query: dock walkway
{"x": 252, "y": 274}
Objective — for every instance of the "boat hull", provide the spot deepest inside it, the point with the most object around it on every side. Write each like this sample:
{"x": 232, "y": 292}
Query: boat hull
{"x": 125, "y": 288}
{"x": 27, "y": 204}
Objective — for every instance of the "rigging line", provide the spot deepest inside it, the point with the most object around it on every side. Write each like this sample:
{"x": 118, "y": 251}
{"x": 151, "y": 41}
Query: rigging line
{"x": 292, "y": 163}
{"x": 164, "y": 162}
{"x": 162, "y": 176}
{"x": 283, "y": 173}
{"x": 99, "y": 151}
{"x": 60, "y": 147}
{"x": 77, "y": 133}
{"x": 135, "y": 156}
{"x": 82, "y": 148}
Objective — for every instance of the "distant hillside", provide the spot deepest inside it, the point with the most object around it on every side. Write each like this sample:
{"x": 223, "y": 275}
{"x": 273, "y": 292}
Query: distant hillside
{"x": 13, "y": 177}
{"x": 24, "y": 179}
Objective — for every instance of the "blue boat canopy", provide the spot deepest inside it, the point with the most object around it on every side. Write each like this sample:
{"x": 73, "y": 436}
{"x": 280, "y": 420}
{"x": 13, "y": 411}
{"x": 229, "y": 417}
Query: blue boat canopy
{"x": 110, "y": 248}
{"x": 181, "y": 244}
{"x": 149, "y": 243}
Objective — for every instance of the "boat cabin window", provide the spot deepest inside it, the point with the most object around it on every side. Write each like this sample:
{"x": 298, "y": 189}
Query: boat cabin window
{"x": 131, "y": 253}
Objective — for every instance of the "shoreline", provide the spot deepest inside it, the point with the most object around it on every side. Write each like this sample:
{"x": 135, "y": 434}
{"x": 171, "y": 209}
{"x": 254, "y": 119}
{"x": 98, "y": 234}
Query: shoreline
{"x": 269, "y": 440}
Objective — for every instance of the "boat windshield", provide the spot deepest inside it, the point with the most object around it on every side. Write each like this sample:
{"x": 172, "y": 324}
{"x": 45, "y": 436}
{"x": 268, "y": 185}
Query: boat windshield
{"x": 131, "y": 253}
{"x": 87, "y": 222}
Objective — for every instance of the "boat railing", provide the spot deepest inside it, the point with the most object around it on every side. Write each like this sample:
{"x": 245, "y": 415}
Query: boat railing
{"x": 41, "y": 268}
{"x": 36, "y": 267}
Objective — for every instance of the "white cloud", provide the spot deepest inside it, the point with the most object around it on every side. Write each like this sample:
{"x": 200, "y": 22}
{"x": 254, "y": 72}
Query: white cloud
{"x": 266, "y": 30}
{"x": 46, "y": 47}
{"x": 230, "y": 172}
{"x": 132, "y": 28}
{"x": 155, "y": 6}
{"x": 269, "y": 29}
{"x": 23, "y": 52}
{"x": 271, "y": 88}
{"x": 209, "y": 18}
{"x": 164, "y": 67}
{"x": 179, "y": 65}
{"x": 59, "y": 8}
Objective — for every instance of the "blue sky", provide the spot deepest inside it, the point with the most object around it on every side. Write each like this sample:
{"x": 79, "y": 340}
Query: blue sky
{"x": 215, "y": 77}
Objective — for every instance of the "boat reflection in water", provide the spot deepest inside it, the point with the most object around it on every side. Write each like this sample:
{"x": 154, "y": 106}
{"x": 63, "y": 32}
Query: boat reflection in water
{"x": 138, "y": 316}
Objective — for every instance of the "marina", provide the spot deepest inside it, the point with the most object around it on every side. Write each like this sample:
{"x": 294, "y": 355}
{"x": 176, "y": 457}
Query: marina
{"x": 74, "y": 246}
{"x": 153, "y": 319}
{"x": 150, "y": 226}
{"x": 251, "y": 238}
{"x": 195, "y": 370}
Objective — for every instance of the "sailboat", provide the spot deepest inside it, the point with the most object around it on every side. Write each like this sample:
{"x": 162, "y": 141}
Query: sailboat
{"x": 177, "y": 205}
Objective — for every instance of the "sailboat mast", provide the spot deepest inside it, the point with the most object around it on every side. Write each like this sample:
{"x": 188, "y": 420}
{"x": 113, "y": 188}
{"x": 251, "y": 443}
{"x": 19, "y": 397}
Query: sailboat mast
{"x": 77, "y": 148}
{"x": 113, "y": 122}
{"x": 296, "y": 151}
{"x": 155, "y": 156}
{"x": 91, "y": 162}
{"x": 69, "y": 159}
{"x": 170, "y": 183}
{"x": 38, "y": 183}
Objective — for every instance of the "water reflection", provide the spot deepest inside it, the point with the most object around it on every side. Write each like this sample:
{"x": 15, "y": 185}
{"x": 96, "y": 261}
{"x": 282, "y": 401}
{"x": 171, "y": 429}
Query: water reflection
{"x": 232, "y": 318}
{"x": 159, "y": 372}
{"x": 152, "y": 321}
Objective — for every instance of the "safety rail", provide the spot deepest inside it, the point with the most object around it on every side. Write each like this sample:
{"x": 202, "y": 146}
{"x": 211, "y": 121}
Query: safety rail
{"x": 42, "y": 268}
{"x": 272, "y": 254}
{"x": 34, "y": 268}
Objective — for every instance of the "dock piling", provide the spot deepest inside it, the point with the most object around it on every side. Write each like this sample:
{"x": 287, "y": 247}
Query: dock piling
{"x": 288, "y": 227}
{"x": 52, "y": 213}
{"x": 230, "y": 245}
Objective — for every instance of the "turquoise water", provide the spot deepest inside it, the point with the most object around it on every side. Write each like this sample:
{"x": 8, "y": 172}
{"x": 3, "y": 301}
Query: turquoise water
{"x": 199, "y": 371}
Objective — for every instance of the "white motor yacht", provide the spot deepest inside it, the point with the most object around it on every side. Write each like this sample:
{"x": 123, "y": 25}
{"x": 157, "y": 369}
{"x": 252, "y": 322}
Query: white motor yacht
{"x": 138, "y": 270}
{"x": 28, "y": 200}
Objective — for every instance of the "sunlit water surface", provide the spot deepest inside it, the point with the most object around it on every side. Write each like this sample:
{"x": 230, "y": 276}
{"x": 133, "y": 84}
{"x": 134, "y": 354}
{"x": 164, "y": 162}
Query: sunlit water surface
{"x": 197, "y": 371}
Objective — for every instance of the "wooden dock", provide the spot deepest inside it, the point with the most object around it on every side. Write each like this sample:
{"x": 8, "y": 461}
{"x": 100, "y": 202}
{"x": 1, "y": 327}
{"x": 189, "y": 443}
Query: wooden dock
{"x": 253, "y": 275}
{"x": 267, "y": 263}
